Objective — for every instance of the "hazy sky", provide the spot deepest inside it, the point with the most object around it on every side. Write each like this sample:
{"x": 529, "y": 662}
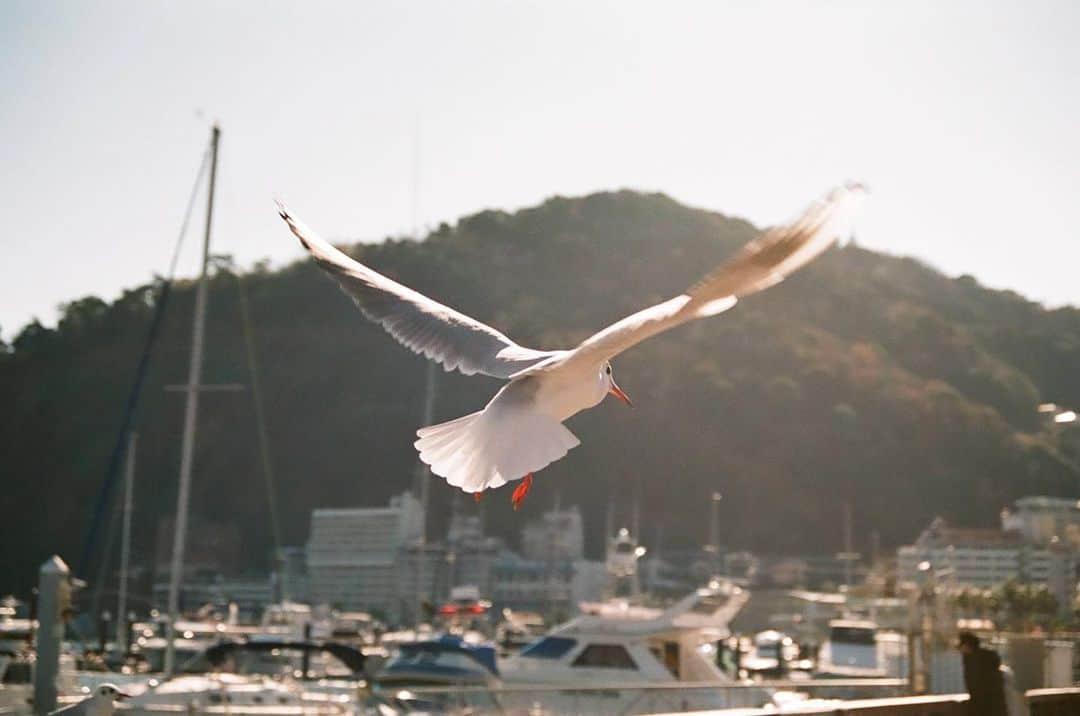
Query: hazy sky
{"x": 961, "y": 116}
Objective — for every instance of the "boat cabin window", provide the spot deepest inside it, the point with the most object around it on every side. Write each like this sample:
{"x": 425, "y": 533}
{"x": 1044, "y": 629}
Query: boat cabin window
{"x": 550, "y": 647}
{"x": 427, "y": 657}
{"x": 709, "y": 605}
{"x": 605, "y": 656}
{"x": 852, "y": 635}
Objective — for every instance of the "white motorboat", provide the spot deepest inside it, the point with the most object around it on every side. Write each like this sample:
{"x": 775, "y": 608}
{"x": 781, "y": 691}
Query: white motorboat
{"x": 774, "y": 654}
{"x": 295, "y": 620}
{"x": 236, "y": 695}
{"x": 621, "y": 658}
{"x": 859, "y": 648}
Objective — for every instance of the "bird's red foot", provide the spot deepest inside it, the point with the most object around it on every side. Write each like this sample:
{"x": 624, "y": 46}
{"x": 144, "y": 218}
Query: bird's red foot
{"x": 477, "y": 496}
{"x": 522, "y": 490}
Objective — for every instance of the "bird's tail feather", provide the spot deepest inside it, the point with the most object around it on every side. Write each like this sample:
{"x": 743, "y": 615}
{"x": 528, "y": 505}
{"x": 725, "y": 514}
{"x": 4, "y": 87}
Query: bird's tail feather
{"x": 487, "y": 449}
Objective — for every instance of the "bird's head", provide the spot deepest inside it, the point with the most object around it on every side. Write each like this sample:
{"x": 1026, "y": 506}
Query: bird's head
{"x": 109, "y": 692}
{"x": 608, "y": 382}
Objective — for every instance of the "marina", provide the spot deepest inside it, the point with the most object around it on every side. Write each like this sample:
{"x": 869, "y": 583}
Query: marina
{"x": 380, "y": 464}
{"x": 619, "y": 656}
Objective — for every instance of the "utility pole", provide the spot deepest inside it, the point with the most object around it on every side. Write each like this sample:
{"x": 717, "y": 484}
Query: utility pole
{"x": 714, "y": 532}
{"x": 423, "y": 476}
{"x": 848, "y": 556}
{"x": 423, "y": 472}
{"x": 847, "y": 544}
{"x": 190, "y": 413}
{"x": 125, "y": 541}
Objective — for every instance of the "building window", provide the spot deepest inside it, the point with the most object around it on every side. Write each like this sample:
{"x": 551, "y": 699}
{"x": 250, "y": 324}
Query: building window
{"x": 605, "y": 656}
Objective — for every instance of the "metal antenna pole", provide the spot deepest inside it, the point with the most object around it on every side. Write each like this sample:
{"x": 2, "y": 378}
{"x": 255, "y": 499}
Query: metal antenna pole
{"x": 609, "y": 528}
{"x": 849, "y": 558}
{"x": 125, "y": 542}
{"x": 423, "y": 474}
{"x": 416, "y": 180}
{"x": 190, "y": 413}
{"x": 714, "y": 532}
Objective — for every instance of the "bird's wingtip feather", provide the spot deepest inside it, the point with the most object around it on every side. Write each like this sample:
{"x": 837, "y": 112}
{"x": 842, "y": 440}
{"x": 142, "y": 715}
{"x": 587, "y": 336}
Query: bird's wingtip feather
{"x": 282, "y": 210}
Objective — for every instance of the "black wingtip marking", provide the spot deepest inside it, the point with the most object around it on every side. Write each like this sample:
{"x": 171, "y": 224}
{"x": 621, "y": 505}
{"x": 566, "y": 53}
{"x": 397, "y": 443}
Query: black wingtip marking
{"x": 284, "y": 214}
{"x": 281, "y": 210}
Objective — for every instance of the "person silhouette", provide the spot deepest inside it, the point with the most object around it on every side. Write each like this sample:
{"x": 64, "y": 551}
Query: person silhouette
{"x": 982, "y": 677}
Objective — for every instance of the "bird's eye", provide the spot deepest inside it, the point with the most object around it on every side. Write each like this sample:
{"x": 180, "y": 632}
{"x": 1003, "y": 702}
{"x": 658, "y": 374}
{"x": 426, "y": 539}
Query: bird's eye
{"x": 607, "y": 369}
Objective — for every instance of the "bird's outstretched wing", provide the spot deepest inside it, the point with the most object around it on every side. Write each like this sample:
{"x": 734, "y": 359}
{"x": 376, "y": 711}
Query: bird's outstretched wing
{"x": 424, "y": 326}
{"x": 763, "y": 262}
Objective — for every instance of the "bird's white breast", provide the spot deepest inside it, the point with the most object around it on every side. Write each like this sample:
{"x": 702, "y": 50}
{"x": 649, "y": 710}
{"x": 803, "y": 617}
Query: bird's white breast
{"x": 561, "y": 394}
{"x": 99, "y": 706}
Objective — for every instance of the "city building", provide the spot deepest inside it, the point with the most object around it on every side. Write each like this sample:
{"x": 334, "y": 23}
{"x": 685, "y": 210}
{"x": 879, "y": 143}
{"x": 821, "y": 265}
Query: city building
{"x": 591, "y": 582}
{"x": 558, "y": 536}
{"x": 531, "y": 585}
{"x": 421, "y": 583}
{"x": 471, "y": 556}
{"x": 1045, "y": 520}
{"x": 368, "y": 558}
{"x": 987, "y": 558}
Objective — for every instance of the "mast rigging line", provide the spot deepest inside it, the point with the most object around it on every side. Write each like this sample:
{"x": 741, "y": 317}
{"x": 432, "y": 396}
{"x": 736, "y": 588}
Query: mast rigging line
{"x": 108, "y": 484}
{"x": 260, "y": 416}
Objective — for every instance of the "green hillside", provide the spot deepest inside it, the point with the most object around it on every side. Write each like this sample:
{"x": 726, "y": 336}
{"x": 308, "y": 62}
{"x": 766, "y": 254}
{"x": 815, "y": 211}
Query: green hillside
{"x": 864, "y": 378}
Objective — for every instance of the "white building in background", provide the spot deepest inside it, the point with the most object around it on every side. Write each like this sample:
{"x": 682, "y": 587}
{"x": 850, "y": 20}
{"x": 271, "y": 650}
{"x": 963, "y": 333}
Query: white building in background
{"x": 591, "y": 582}
{"x": 533, "y": 585}
{"x": 366, "y": 558}
{"x": 551, "y": 575}
{"x": 470, "y": 556}
{"x": 558, "y": 536}
{"x": 421, "y": 582}
{"x": 1045, "y": 520}
{"x": 1027, "y": 548}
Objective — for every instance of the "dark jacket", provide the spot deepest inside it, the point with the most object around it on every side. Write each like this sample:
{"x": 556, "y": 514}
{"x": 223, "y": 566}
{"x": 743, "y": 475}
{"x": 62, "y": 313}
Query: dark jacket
{"x": 982, "y": 677}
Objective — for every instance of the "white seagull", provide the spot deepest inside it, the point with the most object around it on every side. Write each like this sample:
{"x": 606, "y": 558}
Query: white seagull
{"x": 520, "y": 431}
{"x": 101, "y": 703}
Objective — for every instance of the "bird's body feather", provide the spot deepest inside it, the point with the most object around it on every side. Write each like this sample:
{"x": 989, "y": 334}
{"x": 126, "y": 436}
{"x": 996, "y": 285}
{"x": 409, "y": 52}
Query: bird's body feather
{"x": 518, "y": 432}
{"x": 100, "y": 703}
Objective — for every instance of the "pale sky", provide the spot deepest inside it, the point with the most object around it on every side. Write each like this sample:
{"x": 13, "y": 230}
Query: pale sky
{"x": 961, "y": 116}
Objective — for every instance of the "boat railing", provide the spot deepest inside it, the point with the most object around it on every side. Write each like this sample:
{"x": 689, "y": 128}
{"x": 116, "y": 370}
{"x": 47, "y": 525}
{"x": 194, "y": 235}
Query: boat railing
{"x": 621, "y": 697}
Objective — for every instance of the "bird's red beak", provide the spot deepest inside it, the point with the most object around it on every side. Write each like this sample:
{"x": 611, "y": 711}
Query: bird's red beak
{"x": 123, "y": 695}
{"x": 618, "y": 393}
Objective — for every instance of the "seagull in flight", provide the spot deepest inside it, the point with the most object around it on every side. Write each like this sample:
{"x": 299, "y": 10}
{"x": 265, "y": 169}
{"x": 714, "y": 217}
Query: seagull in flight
{"x": 520, "y": 431}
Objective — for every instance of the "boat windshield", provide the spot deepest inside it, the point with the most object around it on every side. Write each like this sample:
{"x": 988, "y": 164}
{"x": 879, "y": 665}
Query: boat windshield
{"x": 550, "y": 647}
{"x": 709, "y": 605}
{"x": 852, "y": 635}
{"x": 434, "y": 658}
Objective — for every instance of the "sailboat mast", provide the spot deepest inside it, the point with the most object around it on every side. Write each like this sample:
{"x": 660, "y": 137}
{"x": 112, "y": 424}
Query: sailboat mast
{"x": 125, "y": 542}
{"x": 190, "y": 412}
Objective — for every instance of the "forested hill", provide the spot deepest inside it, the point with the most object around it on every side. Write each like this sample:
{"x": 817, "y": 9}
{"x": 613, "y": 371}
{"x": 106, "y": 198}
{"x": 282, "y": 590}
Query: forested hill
{"x": 864, "y": 378}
